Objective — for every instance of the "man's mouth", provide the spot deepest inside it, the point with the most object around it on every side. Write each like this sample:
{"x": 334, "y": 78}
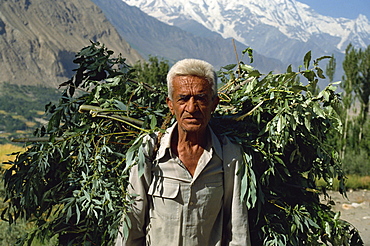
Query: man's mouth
{"x": 191, "y": 119}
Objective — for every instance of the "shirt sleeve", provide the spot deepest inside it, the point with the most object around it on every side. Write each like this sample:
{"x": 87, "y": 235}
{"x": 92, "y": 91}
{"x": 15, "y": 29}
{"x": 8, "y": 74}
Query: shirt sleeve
{"x": 235, "y": 210}
{"x": 139, "y": 210}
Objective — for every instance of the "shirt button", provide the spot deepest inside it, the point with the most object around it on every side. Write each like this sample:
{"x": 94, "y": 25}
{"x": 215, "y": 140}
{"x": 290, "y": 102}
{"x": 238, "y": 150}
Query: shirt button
{"x": 191, "y": 203}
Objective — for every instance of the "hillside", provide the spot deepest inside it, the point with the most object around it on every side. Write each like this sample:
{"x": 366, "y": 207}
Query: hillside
{"x": 39, "y": 38}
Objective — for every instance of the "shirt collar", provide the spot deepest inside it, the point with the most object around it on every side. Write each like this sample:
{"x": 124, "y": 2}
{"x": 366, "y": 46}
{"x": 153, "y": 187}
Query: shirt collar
{"x": 166, "y": 142}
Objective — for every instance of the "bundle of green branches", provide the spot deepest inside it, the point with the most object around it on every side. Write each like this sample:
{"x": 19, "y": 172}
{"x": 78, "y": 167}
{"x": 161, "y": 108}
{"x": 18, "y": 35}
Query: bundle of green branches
{"x": 72, "y": 181}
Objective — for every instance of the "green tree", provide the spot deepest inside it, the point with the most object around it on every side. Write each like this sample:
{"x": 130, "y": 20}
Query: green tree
{"x": 153, "y": 72}
{"x": 350, "y": 79}
{"x": 356, "y": 81}
{"x": 74, "y": 183}
{"x": 356, "y": 84}
{"x": 362, "y": 90}
{"x": 330, "y": 68}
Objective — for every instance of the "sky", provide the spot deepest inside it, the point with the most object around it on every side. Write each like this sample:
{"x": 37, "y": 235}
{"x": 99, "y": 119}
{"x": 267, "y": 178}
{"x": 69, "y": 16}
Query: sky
{"x": 340, "y": 8}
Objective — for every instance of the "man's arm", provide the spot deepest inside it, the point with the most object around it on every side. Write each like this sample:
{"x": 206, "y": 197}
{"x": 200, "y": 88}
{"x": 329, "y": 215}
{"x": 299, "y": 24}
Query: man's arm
{"x": 235, "y": 210}
{"x": 139, "y": 210}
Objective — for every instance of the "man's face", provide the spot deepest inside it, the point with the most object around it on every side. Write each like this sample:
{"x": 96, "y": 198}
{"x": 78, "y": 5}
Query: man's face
{"x": 193, "y": 102}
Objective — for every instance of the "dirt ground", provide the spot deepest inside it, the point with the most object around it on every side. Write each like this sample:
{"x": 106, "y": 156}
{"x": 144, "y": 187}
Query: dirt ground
{"x": 355, "y": 210}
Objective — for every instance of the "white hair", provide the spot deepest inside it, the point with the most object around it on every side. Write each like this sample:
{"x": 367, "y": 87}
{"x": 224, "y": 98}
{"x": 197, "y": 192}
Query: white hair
{"x": 192, "y": 67}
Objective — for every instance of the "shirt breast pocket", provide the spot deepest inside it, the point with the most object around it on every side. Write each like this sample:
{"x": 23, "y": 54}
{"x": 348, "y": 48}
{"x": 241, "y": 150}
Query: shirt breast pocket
{"x": 211, "y": 198}
{"x": 165, "y": 199}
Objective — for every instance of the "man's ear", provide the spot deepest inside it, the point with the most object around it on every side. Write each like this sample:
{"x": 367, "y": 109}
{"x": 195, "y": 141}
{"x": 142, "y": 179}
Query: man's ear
{"x": 170, "y": 105}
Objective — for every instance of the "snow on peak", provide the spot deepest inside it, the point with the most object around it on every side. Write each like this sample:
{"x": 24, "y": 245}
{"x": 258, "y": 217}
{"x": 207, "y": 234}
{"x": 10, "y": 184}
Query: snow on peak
{"x": 234, "y": 18}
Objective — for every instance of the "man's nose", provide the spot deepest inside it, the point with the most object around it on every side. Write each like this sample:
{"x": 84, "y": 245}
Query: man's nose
{"x": 192, "y": 105}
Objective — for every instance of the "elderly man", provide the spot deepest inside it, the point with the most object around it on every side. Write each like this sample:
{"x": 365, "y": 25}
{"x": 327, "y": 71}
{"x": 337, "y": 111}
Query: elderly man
{"x": 189, "y": 193}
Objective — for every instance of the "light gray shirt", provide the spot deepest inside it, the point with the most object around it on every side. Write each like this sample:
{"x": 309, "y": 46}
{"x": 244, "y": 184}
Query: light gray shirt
{"x": 175, "y": 208}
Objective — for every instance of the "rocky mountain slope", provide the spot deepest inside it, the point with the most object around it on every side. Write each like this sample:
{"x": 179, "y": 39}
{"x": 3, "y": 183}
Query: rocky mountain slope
{"x": 152, "y": 37}
{"x": 39, "y": 38}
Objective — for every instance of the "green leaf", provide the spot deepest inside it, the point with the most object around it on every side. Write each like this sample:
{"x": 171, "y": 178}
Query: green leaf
{"x": 289, "y": 69}
{"x": 307, "y": 60}
{"x": 126, "y": 226}
{"x": 307, "y": 122}
{"x": 250, "y": 53}
{"x": 323, "y": 57}
{"x": 255, "y": 73}
{"x": 229, "y": 67}
{"x": 298, "y": 88}
{"x": 141, "y": 161}
{"x": 78, "y": 213}
{"x": 153, "y": 121}
{"x": 247, "y": 68}
{"x": 320, "y": 73}
{"x": 309, "y": 74}
{"x": 280, "y": 123}
{"x": 69, "y": 214}
{"x": 120, "y": 105}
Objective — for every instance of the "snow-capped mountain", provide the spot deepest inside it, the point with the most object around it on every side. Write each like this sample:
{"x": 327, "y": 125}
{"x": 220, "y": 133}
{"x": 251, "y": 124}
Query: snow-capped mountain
{"x": 283, "y": 29}
{"x": 151, "y": 37}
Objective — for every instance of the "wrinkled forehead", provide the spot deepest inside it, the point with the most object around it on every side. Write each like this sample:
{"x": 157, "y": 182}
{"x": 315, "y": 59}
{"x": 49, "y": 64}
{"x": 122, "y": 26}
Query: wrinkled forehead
{"x": 186, "y": 84}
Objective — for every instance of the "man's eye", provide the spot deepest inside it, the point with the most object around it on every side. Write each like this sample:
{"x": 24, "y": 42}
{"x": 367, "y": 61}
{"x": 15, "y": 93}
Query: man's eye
{"x": 184, "y": 98}
{"x": 201, "y": 98}
{"x": 197, "y": 98}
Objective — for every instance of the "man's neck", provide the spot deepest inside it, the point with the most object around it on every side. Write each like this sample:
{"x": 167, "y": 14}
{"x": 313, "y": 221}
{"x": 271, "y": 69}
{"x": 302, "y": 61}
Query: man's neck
{"x": 191, "y": 138}
{"x": 189, "y": 147}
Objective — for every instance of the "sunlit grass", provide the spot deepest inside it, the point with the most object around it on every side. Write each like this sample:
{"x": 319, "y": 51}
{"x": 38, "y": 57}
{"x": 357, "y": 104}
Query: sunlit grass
{"x": 5, "y": 151}
{"x": 30, "y": 124}
{"x": 19, "y": 117}
{"x": 4, "y": 134}
{"x": 354, "y": 182}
